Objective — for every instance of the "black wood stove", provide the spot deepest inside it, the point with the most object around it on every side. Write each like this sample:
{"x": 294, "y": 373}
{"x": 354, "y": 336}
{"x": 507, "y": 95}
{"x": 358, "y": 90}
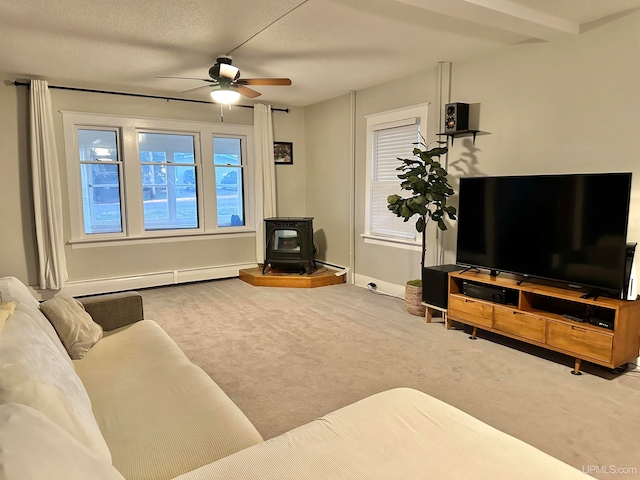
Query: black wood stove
{"x": 289, "y": 244}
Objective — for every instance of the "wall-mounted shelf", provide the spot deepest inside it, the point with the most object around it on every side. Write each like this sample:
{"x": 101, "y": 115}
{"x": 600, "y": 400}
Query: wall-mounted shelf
{"x": 461, "y": 133}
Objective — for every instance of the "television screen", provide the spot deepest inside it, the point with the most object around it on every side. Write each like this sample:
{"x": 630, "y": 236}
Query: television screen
{"x": 567, "y": 228}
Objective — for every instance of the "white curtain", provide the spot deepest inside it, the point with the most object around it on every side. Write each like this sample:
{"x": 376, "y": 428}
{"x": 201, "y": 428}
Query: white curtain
{"x": 265, "y": 177}
{"x": 47, "y": 203}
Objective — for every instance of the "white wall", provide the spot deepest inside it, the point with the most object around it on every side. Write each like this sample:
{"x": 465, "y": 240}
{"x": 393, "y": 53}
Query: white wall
{"x": 560, "y": 107}
{"x": 291, "y": 179}
{"x": 328, "y": 192}
{"x": 566, "y": 106}
{"x": 17, "y": 250}
{"x": 17, "y": 234}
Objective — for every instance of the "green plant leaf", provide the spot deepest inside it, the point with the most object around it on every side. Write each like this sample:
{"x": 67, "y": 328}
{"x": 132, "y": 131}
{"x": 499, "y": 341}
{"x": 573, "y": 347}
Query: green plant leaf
{"x": 426, "y": 178}
{"x": 438, "y": 151}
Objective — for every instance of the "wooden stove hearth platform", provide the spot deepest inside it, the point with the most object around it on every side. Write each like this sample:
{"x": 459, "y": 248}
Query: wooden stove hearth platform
{"x": 322, "y": 277}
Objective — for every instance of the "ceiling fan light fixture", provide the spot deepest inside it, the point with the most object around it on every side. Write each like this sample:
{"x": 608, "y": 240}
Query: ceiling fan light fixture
{"x": 225, "y": 96}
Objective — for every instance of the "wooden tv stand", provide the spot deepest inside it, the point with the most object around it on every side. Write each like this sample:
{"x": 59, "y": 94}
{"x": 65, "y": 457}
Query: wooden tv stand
{"x": 535, "y": 315}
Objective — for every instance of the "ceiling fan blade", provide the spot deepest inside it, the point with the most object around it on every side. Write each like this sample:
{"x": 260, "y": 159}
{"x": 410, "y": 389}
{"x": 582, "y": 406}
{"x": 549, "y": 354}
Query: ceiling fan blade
{"x": 246, "y": 91}
{"x": 185, "y": 78}
{"x": 264, "y": 81}
{"x": 198, "y": 88}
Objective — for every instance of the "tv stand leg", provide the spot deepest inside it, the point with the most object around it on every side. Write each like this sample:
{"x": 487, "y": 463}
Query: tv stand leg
{"x": 474, "y": 333}
{"x": 428, "y": 314}
{"x": 576, "y": 368}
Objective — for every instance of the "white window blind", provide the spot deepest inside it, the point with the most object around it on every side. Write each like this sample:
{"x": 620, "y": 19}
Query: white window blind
{"x": 389, "y": 143}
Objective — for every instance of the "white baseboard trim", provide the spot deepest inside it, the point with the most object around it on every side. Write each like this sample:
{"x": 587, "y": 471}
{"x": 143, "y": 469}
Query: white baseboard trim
{"x": 381, "y": 286}
{"x": 153, "y": 279}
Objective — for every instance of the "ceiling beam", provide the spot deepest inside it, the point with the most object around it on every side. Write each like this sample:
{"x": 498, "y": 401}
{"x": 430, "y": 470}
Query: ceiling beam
{"x": 504, "y": 15}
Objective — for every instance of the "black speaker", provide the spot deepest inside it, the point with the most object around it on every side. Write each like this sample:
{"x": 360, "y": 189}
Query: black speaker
{"x": 456, "y": 117}
{"x": 435, "y": 284}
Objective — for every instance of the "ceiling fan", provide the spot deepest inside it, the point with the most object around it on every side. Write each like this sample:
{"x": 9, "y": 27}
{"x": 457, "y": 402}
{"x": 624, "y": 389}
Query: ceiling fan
{"x": 227, "y": 84}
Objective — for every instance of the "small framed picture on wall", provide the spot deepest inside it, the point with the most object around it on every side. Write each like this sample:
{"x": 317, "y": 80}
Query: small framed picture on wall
{"x": 283, "y": 153}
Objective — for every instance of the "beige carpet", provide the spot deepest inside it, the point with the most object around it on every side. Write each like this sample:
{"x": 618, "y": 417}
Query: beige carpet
{"x": 286, "y": 356}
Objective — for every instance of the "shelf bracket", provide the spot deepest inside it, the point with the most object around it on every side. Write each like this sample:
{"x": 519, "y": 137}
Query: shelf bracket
{"x": 462, "y": 133}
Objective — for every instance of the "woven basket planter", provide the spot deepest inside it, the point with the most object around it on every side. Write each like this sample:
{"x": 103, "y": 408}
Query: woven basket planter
{"x": 413, "y": 300}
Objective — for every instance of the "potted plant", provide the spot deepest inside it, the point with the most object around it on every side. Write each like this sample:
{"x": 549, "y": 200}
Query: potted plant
{"x": 427, "y": 181}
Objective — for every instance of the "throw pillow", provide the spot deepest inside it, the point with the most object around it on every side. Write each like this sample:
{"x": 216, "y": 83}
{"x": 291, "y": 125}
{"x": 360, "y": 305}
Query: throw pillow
{"x": 32, "y": 446}
{"x": 6, "y": 310}
{"x": 74, "y": 325}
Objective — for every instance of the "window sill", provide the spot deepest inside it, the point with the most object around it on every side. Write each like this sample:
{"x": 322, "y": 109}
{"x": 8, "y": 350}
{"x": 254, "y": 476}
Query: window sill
{"x": 161, "y": 238}
{"x": 392, "y": 242}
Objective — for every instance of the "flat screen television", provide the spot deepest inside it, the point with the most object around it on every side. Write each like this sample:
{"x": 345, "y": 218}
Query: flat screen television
{"x": 565, "y": 228}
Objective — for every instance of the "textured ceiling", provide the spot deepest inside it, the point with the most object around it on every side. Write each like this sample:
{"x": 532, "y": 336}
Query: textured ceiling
{"x": 326, "y": 47}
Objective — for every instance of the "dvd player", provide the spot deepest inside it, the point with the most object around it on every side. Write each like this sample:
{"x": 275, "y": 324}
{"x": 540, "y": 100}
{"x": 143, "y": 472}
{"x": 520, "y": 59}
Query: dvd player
{"x": 602, "y": 322}
{"x": 485, "y": 292}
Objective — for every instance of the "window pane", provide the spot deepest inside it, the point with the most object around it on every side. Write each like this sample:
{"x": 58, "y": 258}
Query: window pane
{"x": 229, "y": 182}
{"x": 387, "y": 145}
{"x": 100, "y": 181}
{"x": 153, "y": 157}
{"x": 230, "y": 196}
{"x": 164, "y": 145}
{"x": 184, "y": 157}
{"x": 227, "y": 151}
{"x": 169, "y": 187}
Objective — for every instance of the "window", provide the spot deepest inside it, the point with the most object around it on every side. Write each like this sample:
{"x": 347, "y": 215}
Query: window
{"x": 169, "y": 191}
{"x": 390, "y": 135}
{"x": 100, "y": 173}
{"x": 227, "y": 160}
{"x": 133, "y": 178}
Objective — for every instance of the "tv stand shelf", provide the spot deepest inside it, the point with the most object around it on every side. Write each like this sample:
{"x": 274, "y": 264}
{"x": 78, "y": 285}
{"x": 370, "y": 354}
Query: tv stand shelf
{"x": 536, "y": 316}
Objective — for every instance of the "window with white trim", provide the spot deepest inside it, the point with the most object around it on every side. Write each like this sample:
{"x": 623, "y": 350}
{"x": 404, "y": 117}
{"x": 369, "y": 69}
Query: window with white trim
{"x": 168, "y": 170}
{"x": 390, "y": 135}
{"x": 229, "y": 168}
{"x": 138, "y": 178}
{"x": 100, "y": 173}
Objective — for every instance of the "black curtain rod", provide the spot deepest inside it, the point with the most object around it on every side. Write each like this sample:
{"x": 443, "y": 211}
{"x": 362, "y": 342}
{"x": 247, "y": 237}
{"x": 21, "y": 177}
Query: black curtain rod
{"x": 141, "y": 95}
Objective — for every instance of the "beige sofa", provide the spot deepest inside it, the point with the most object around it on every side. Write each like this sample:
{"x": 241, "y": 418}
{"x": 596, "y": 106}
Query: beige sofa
{"x": 136, "y": 408}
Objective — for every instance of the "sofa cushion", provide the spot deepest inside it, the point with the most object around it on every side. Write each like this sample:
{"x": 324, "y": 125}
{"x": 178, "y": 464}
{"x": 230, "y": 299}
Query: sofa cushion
{"x": 12, "y": 289}
{"x": 33, "y": 447}
{"x": 160, "y": 414}
{"x": 400, "y": 433}
{"x": 75, "y": 327}
{"x": 34, "y": 372}
{"x": 6, "y": 310}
